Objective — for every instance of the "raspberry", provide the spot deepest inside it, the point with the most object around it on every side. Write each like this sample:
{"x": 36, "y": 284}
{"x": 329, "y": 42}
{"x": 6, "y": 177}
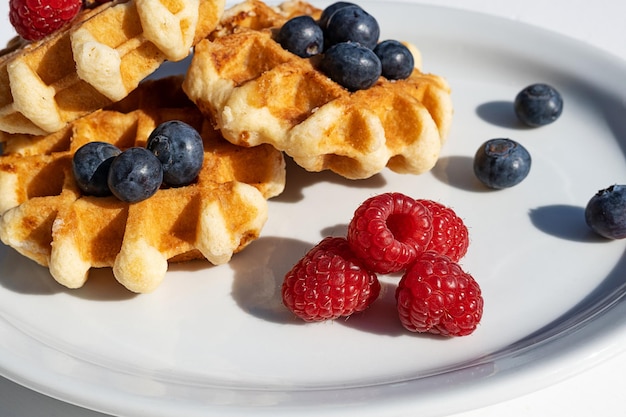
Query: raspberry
{"x": 35, "y": 19}
{"x": 450, "y": 235}
{"x": 329, "y": 282}
{"x": 389, "y": 231}
{"x": 435, "y": 295}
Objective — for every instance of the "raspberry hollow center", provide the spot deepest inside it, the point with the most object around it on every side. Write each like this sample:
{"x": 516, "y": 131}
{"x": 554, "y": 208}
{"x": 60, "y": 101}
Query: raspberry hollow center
{"x": 401, "y": 226}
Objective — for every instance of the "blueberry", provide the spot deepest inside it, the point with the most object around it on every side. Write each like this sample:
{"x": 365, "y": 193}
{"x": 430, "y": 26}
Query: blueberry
{"x": 352, "y": 24}
{"x": 538, "y": 105}
{"x": 301, "y": 36}
{"x": 605, "y": 213}
{"x": 330, "y": 10}
{"x": 90, "y": 165}
{"x": 501, "y": 163}
{"x": 180, "y": 149}
{"x": 135, "y": 175}
{"x": 396, "y": 59}
{"x": 352, "y": 65}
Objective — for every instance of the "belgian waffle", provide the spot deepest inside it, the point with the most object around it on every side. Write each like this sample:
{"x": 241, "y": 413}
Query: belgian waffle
{"x": 257, "y": 92}
{"x": 97, "y": 60}
{"x": 45, "y": 217}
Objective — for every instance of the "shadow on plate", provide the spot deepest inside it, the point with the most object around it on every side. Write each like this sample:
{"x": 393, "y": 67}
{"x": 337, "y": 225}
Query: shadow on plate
{"x": 24, "y": 276}
{"x": 340, "y": 229}
{"x": 299, "y": 179}
{"x": 565, "y": 222}
{"x": 102, "y": 286}
{"x": 458, "y": 172}
{"x": 381, "y": 318}
{"x": 500, "y": 113}
{"x": 258, "y": 277}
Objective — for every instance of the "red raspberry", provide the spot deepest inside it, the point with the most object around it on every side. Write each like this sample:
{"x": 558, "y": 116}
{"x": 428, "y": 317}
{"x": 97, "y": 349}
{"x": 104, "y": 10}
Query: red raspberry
{"x": 435, "y": 295}
{"x": 450, "y": 235}
{"x": 329, "y": 282}
{"x": 389, "y": 231}
{"x": 35, "y": 19}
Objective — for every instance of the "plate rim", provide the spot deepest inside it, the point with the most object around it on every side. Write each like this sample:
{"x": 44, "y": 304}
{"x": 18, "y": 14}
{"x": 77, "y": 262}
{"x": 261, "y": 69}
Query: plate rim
{"x": 574, "y": 333}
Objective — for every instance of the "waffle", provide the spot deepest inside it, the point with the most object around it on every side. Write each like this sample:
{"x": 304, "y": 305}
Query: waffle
{"x": 45, "y": 217}
{"x": 257, "y": 92}
{"x": 97, "y": 60}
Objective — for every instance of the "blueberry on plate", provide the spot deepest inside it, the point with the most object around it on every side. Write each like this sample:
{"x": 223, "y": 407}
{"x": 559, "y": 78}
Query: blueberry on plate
{"x": 180, "y": 149}
{"x": 605, "y": 213}
{"x": 90, "y": 165}
{"x": 301, "y": 36}
{"x": 352, "y": 65}
{"x": 135, "y": 175}
{"x": 501, "y": 163}
{"x": 538, "y": 105}
{"x": 396, "y": 59}
{"x": 352, "y": 24}
{"x": 330, "y": 10}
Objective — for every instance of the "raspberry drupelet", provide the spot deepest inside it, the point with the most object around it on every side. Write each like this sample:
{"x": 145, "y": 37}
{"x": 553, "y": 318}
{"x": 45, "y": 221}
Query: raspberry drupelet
{"x": 34, "y": 20}
{"x": 389, "y": 231}
{"x": 436, "y": 296}
{"x": 329, "y": 282}
{"x": 450, "y": 235}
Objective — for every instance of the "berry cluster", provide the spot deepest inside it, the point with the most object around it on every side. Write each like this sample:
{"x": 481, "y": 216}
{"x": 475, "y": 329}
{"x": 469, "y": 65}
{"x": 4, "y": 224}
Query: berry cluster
{"x": 346, "y": 37}
{"x": 389, "y": 233}
{"x": 173, "y": 156}
{"x": 34, "y": 20}
{"x": 502, "y": 162}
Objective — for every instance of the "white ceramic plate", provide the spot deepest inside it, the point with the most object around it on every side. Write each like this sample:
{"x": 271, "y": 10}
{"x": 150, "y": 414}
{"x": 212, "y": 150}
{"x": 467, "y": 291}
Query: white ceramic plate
{"x": 216, "y": 340}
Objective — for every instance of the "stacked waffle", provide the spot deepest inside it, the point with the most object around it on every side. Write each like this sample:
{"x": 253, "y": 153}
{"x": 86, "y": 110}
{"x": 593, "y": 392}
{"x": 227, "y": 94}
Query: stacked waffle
{"x": 46, "y": 218}
{"x": 257, "y": 92}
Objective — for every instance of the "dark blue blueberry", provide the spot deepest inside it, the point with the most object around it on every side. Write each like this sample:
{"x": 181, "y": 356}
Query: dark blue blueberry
{"x": 606, "y": 212}
{"x": 352, "y": 24}
{"x": 396, "y": 59}
{"x": 301, "y": 36}
{"x": 180, "y": 149}
{"x": 501, "y": 163}
{"x": 135, "y": 175}
{"x": 538, "y": 105}
{"x": 91, "y": 164}
{"x": 352, "y": 65}
{"x": 330, "y": 10}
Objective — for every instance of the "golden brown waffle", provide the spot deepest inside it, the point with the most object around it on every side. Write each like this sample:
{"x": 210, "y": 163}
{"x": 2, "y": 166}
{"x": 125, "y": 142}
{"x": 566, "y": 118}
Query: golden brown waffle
{"x": 257, "y": 15}
{"x": 98, "y": 59}
{"x": 45, "y": 217}
{"x": 257, "y": 92}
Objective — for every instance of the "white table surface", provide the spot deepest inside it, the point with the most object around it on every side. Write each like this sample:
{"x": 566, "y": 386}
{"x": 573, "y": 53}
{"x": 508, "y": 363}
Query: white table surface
{"x": 598, "y": 391}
